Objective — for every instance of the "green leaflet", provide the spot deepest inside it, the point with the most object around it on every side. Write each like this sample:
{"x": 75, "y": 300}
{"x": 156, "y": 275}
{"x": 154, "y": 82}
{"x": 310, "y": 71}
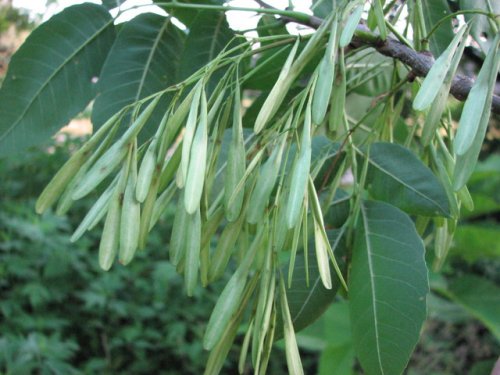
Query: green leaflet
{"x": 142, "y": 61}
{"x": 438, "y": 73}
{"x": 388, "y": 285}
{"x": 208, "y": 36}
{"x": 50, "y": 77}
{"x": 433, "y": 12}
{"x": 398, "y": 177}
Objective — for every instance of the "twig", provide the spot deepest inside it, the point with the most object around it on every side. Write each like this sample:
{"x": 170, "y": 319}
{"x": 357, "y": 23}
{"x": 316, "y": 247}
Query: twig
{"x": 419, "y": 62}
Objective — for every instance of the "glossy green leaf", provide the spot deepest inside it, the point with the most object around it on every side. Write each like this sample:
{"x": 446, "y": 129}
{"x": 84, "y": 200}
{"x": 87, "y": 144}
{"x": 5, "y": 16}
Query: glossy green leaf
{"x": 480, "y": 297}
{"x": 434, "y": 10}
{"x": 388, "y": 284}
{"x": 397, "y": 176}
{"x": 51, "y": 77}
{"x": 143, "y": 61}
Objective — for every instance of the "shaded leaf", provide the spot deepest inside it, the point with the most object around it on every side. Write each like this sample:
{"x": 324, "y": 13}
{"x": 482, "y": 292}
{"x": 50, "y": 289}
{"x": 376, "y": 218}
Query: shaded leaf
{"x": 474, "y": 242}
{"x": 143, "y": 61}
{"x": 388, "y": 285}
{"x": 308, "y": 303}
{"x": 337, "y": 360}
{"x": 435, "y": 10}
{"x": 50, "y": 79}
{"x": 479, "y": 297}
{"x": 322, "y": 8}
{"x": 270, "y": 26}
{"x": 397, "y": 176}
{"x": 208, "y": 35}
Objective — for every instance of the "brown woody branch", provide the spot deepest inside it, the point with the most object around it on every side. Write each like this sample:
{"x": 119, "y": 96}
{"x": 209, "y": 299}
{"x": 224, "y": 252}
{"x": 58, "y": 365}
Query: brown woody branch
{"x": 419, "y": 62}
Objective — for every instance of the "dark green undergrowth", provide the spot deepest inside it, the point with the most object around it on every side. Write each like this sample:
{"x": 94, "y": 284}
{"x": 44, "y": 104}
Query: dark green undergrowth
{"x": 61, "y": 314}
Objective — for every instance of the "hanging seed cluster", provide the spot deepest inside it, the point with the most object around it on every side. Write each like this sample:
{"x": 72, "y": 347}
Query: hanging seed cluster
{"x": 258, "y": 194}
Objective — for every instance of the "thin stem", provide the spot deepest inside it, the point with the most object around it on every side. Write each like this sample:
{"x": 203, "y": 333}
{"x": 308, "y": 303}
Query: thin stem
{"x": 452, "y": 15}
{"x": 303, "y": 17}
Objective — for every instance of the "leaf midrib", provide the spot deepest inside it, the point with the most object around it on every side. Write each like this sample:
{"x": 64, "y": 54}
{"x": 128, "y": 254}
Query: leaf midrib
{"x": 47, "y": 81}
{"x": 150, "y": 58}
{"x": 214, "y": 39}
{"x": 425, "y": 197}
{"x": 309, "y": 295}
{"x": 372, "y": 284}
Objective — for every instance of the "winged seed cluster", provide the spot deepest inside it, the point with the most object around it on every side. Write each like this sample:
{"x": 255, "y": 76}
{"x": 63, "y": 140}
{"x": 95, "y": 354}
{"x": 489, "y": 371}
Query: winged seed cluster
{"x": 261, "y": 188}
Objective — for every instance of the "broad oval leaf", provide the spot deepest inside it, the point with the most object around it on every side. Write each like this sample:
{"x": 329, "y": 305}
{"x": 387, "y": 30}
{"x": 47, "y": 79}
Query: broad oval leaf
{"x": 388, "y": 284}
{"x": 143, "y": 61}
{"x": 50, "y": 79}
{"x": 397, "y": 176}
